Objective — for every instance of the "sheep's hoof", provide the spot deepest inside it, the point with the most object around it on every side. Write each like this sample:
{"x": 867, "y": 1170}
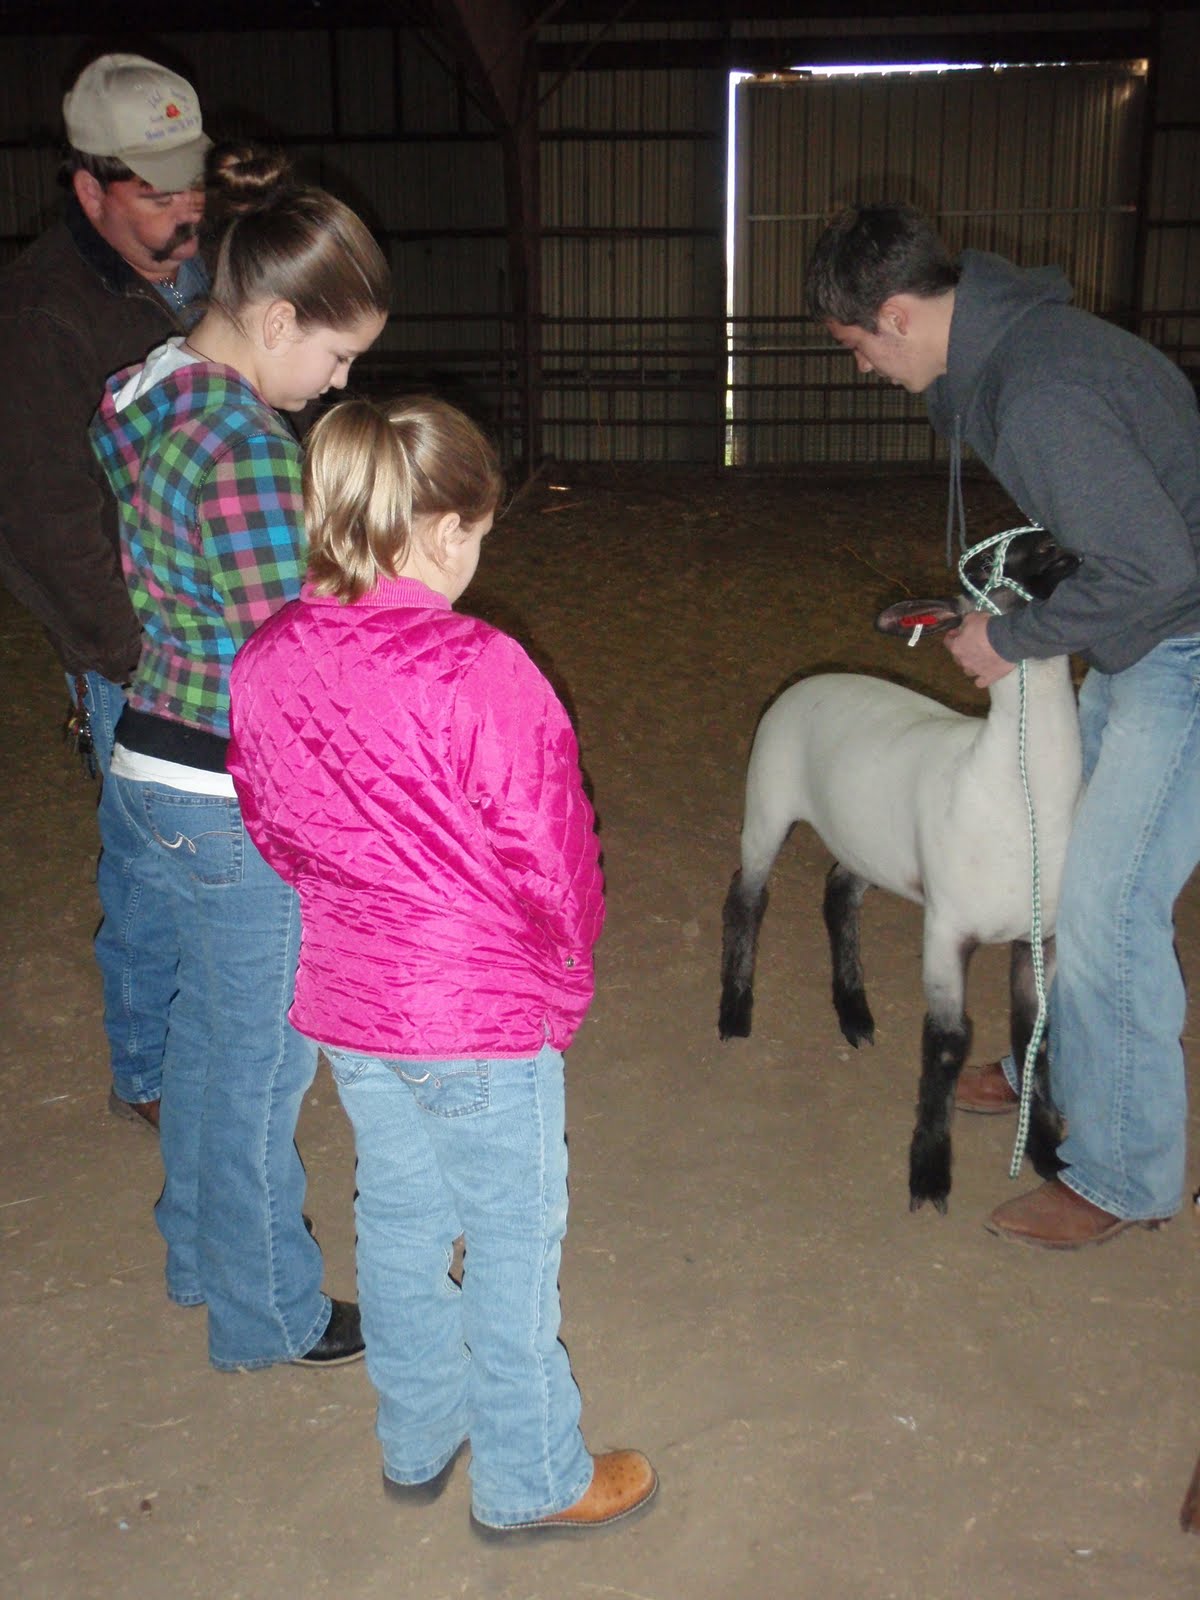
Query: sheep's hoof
{"x": 929, "y": 1173}
{"x": 733, "y": 1021}
{"x": 854, "y": 1018}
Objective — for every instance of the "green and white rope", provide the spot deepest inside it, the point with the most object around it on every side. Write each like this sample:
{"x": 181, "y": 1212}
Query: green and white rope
{"x": 997, "y": 579}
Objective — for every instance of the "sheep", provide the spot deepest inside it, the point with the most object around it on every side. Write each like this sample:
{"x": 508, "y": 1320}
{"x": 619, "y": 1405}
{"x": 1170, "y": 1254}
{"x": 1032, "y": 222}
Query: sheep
{"x": 911, "y": 796}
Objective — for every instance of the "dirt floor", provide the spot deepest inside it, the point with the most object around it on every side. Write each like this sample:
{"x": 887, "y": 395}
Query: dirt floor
{"x": 843, "y": 1400}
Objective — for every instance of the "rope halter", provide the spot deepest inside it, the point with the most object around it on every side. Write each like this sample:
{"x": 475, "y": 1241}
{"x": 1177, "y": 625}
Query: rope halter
{"x": 997, "y": 578}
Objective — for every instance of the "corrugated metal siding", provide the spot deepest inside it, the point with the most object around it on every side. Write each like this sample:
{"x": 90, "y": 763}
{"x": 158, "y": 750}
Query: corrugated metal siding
{"x": 29, "y": 197}
{"x": 263, "y": 84}
{"x": 355, "y": 98}
{"x": 633, "y": 265}
{"x": 32, "y": 74}
{"x": 1170, "y": 314}
{"x": 1040, "y": 164}
{"x": 633, "y": 195}
{"x": 1170, "y": 290}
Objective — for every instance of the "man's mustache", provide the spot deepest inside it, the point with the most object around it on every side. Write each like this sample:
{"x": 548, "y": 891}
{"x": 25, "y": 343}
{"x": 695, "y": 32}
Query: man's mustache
{"x": 183, "y": 233}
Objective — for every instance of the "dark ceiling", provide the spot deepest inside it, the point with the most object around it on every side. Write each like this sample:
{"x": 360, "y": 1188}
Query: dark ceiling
{"x": 116, "y": 16}
{"x": 475, "y": 33}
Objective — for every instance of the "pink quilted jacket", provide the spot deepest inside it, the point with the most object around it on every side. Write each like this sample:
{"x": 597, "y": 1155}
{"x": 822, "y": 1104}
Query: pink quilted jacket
{"x": 412, "y": 773}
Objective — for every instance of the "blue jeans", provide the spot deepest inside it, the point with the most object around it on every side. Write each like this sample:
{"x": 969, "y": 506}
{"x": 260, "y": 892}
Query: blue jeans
{"x": 476, "y": 1148}
{"x": 1118, "y": 1002}
{"x": 234, "y": 1074}
{"x": 133, "y": 945}
{"x": 105, "y": 702}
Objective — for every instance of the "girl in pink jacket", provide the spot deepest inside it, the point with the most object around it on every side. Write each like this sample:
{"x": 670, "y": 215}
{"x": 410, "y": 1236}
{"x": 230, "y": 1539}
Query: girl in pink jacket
{"x": 413, "y": 775}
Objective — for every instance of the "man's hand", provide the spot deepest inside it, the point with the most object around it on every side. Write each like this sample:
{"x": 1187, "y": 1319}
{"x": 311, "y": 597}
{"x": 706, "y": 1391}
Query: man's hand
{"x": 969, "y": 646}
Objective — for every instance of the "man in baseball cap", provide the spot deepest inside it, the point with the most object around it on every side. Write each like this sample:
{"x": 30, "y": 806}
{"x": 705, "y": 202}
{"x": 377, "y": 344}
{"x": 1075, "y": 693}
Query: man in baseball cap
{"x": 115, "y": 277}
{"x": 138, "y": 143}
{"x": 139, "y": 112}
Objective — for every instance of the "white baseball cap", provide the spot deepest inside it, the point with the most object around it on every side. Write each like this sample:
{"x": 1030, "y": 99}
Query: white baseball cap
{"x": 146, "y": 116}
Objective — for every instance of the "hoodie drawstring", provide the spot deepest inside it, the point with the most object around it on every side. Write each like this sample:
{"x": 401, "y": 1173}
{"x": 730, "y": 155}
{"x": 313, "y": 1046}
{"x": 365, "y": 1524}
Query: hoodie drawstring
{"x": 954, "y": 500}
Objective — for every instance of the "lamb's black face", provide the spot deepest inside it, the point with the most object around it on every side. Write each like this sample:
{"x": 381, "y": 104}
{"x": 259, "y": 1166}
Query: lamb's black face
{"x": 1033, "y": 560}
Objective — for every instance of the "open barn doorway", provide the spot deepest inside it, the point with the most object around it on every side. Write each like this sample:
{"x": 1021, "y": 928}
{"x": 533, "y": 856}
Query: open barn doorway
{"x": 1038, "y": 162}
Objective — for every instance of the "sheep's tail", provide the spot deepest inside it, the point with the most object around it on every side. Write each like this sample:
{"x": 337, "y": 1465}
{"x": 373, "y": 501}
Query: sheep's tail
{"x": 741, "y": 920}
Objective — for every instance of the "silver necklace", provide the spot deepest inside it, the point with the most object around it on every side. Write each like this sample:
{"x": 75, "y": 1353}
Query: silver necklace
{"x": 169, "y": 286}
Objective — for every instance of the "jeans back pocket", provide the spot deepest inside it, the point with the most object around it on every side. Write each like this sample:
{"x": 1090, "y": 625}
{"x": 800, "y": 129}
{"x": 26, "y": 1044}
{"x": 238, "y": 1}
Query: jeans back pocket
{"x": 203, "y": 832}
{"x": 447, "y": 1088}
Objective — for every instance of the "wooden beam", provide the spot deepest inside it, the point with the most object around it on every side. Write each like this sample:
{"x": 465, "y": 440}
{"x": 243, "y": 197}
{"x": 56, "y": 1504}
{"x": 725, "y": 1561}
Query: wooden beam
{"x": 490, "y": 39}
{"x": 494, "y": 43}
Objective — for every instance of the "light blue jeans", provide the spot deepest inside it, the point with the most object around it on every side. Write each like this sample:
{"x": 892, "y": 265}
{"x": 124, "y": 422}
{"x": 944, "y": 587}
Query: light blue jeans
{"x": 476, "y": 1148}
{"x": 1117, "y": 1005}
{"x": 234, "y": 1074}
{"x": 134, "y": 946}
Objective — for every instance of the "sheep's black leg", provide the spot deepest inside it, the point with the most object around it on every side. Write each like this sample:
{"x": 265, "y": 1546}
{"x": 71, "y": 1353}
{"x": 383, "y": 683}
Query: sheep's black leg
{"x": 943, "y": 1051}
{"x": 844, "y": 891}
{"x": 741, "y": 919}
{"x": 1045, "y": 1124}
{"x": 945, "y": 1041}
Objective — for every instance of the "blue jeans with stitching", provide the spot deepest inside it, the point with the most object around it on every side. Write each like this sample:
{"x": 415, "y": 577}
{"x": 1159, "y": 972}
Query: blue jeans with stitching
{"x": 133, "y": 944}
{"x": 1118, "y": 1003}
{"x": 235, "y": 1073}
{"x": 471, "y": 1147}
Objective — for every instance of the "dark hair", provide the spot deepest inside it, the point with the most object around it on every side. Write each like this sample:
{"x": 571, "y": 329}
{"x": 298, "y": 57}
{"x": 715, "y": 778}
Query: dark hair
{"x": 281, "y": 240}
{"x": 869, "y": 253}
{"x": 105, "y": 169}
{"x": 375, "y": 475}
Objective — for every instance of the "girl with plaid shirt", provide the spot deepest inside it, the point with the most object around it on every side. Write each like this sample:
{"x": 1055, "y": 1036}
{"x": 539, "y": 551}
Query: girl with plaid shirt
{"x": 206, "y": 475}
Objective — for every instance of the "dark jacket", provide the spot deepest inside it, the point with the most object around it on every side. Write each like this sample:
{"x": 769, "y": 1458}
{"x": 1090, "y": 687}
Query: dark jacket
{"x": 1095, "y": 434}
{"x": 71, "y": 312}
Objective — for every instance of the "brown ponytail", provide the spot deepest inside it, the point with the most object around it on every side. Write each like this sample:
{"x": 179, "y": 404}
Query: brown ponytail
{"x": 286, "y": 241}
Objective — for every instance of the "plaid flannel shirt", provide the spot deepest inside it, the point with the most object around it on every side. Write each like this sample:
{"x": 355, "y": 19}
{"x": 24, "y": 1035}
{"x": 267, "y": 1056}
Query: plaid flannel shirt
{"x": 207, "y": 481}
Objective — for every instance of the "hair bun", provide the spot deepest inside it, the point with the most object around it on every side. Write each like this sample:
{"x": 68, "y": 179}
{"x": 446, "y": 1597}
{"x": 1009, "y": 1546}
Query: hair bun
{"x": 244, "y": 178}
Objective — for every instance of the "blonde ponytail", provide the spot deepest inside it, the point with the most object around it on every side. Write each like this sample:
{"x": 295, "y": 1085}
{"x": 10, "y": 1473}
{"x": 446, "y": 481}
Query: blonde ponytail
{"x": 374, "y": 476}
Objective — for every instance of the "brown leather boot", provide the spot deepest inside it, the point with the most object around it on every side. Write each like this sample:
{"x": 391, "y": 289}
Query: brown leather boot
{"x": 985, "y": 1090}
{"x": 623, "y": 1482}
{"x": 143, "y": 1111}
{"x": 1056, "y": 1218}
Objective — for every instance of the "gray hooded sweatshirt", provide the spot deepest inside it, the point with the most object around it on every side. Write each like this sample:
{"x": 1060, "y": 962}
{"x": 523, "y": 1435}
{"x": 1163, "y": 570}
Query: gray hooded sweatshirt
{"x": 1094, "y": 434}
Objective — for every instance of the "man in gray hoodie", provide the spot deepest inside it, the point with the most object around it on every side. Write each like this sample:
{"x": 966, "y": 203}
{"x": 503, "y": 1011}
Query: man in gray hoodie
{"x": 1095, "y": 435}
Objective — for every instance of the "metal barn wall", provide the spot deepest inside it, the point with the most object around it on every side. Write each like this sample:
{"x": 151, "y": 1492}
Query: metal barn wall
{"x": 1040, "y": 164}
{"x": 379, "y": 117}
{"x": 633, "y": 269}
{"x": 1168, "y": 294}
{"x": 33, "y": 73}
{"x": 632, "y": 154}
{"x": 1061, "y": 175}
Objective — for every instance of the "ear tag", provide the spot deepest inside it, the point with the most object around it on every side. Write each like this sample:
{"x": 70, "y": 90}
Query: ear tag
{"x": 916, "y": 634}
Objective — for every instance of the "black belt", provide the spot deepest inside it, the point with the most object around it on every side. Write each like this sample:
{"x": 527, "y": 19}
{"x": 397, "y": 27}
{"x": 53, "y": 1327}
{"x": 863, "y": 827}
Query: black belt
{"x": 148, "y": 735}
